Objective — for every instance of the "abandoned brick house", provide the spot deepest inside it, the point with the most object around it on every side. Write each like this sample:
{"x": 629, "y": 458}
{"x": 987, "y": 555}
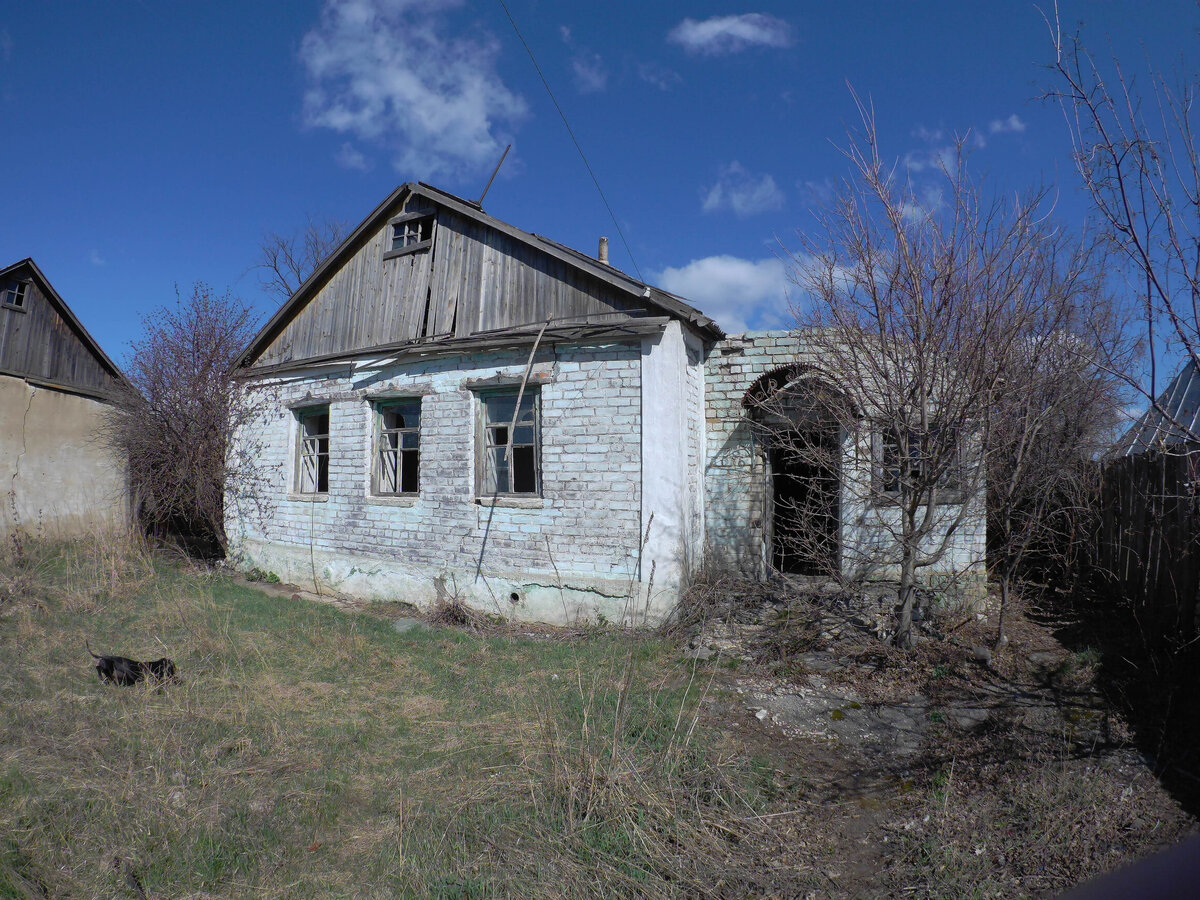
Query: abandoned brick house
{"x": 55, "y": 384}
{"x": 452, "y": 406}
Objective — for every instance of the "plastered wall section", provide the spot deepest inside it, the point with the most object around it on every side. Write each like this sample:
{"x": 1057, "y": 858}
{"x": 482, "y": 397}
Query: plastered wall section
{"x": 572, "y": 554}
{"x": 672, "y": 428}
{"x": 57, "y": 476}
{"x": 736, "y": 479}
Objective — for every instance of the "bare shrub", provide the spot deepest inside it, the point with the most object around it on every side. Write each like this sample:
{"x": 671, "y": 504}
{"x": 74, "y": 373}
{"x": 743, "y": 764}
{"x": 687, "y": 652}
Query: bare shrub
{"x": 174, "y": 423}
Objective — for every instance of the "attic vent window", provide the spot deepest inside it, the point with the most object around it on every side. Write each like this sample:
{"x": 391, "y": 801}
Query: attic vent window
{"x": 14, "y": 295}
{"x": 410, "y": 233}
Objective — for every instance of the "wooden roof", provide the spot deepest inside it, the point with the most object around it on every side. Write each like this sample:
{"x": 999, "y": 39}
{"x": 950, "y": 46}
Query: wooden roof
{"x": 47, "y": 345}
{"x": 602, "y": 291}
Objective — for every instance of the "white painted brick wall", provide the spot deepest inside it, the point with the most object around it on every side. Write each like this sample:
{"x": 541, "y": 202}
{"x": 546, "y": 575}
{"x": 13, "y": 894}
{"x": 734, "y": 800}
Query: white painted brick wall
{"x": 736, "y": 480}
{"x": 586, "y": 531}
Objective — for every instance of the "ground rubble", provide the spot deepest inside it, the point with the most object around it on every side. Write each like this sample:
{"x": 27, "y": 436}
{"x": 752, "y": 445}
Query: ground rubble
{"x": 807, "y": 670}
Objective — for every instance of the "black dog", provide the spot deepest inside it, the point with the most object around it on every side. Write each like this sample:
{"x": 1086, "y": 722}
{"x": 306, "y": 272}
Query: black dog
{"x": 124, "y": 671}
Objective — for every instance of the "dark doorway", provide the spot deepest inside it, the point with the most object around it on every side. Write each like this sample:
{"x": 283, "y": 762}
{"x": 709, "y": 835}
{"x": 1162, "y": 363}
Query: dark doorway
{"x": 805, "y": 517}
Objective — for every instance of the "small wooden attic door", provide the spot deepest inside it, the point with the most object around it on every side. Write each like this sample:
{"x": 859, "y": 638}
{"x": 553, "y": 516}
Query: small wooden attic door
{"x": 797, "y": 421}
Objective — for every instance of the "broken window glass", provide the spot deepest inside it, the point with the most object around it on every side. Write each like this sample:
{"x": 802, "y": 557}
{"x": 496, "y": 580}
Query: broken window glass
{"x": 314, "y": 451}
{"x": 518, "y": 473}
{"x": 398, "y": 448}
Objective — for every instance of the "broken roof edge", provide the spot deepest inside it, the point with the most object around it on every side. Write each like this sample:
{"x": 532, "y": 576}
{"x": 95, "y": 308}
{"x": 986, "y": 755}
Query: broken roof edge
{"x": 71, "y": 319}
{"x": 673, "y": 305}
{"x": 516, "y": 336}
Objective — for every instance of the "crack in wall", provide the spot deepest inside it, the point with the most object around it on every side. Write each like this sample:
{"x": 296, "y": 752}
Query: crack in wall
{"x": 12, "y": 490}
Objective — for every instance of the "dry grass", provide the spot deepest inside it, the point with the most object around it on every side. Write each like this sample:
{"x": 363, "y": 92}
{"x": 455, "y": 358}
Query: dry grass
{"x": 314, "y": 753}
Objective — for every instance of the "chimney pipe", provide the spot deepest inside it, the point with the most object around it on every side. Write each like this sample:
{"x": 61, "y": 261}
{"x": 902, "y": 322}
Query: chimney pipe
{"x": 603, "y": 254}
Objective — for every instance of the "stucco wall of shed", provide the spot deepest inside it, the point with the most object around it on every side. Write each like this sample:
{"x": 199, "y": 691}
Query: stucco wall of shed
{"x": 58, "y": 477}
{"x": 581, "y": 552}
{"x": 737, "y": 479}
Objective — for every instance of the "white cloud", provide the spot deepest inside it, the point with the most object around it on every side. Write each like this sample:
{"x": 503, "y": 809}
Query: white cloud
{"x": 923, "y": 203}
{"x": 590, "y": 74}
{"x": 1004, "y": 126}
{"x": 938, "y": 159}
{"x": 737, "y": 293}
{"x": 820, "y": 193}
{"x": 381, "y": 70}
{"x": 730, "y": 34}
{"x": 744, "y": 193}
{"x": 95, "y": 258}
{"x": 350, "y": 158}
{"x": 660, "y": 76}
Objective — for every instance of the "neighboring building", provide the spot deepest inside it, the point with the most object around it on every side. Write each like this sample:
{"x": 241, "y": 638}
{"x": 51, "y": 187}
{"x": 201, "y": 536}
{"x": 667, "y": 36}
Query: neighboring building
{"x": 1172, "y": 423}
{"x": 58, "y": 478}
{"x": 455, "y": 407}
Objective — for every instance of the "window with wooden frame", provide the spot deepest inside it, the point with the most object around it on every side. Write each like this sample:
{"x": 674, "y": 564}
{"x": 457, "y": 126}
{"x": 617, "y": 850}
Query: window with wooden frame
{"x": 15, "y": 295}
{"x": 899, "y": 462}
{"x": 499, "y": 473}
{"x": 409, "y": 233}
{"x": 312, "y": 463}
{"x": 397, "y": 447}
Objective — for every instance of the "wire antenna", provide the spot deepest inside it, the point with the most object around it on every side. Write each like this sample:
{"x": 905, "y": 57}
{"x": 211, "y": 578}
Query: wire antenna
{"x": 487, "y": 187}
{"x": 574, "y": 140}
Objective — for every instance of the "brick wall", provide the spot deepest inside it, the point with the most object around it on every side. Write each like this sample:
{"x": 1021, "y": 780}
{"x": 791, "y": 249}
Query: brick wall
{"x": 736, "y": 479}
{"x": 583, "y": 534}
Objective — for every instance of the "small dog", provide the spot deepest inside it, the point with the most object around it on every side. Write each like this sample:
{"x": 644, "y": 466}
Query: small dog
{"x": 125, "y": 672}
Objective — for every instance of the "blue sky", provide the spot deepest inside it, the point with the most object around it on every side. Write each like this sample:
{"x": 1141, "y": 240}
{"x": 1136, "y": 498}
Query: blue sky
{"x": 150, "y": 143}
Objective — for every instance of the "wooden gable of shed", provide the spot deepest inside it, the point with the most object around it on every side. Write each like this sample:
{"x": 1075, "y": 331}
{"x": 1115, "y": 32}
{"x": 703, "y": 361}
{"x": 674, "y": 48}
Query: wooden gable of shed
{"x": 42, "y": 341}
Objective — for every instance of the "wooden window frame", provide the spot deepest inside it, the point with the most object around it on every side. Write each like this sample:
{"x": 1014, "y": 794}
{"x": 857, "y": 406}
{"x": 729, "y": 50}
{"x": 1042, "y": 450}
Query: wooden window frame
{"x": 886, "y": 478}
{"x": 397, "y": 451}
{"x": 308, "y": 447}
{"x": 422, "y": 223}
{"x": 17, "y": 290}
{"x": 492, "y": 437}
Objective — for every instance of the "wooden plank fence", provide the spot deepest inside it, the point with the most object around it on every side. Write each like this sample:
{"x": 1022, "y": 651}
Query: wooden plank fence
{"x": 1148, "y": 540}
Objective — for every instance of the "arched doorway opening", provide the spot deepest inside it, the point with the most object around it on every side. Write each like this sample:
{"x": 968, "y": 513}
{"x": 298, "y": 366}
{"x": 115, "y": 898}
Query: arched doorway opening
{"x": 798, "y": 420}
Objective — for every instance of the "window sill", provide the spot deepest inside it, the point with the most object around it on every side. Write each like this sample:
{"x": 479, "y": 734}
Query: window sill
{"x": 944, "y": 498}
{"x": 399, "y": 500}
{"x": 308, "y": 498}
{"x": 14, "y": 307}
{"x": 513, "y": 502}
{"x": 411, "y": 248}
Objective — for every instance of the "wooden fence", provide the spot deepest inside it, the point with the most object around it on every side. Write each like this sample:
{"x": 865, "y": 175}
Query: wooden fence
{"x": 1148, "y": 540}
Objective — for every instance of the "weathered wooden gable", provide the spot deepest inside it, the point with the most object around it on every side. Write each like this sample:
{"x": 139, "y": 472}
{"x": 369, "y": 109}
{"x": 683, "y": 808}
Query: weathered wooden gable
{"x": 40, "y": 340}
{"x": 472, "y": 278}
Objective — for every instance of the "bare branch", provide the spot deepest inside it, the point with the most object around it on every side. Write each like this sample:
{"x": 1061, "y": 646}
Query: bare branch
{"x": 287, "y": 261}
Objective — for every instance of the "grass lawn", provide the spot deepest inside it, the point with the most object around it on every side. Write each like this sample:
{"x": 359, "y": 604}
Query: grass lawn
{"x": 310, "y": 752}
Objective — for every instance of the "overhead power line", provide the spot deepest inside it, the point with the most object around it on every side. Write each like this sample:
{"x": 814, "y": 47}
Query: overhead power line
{"x": 574, "y": 140}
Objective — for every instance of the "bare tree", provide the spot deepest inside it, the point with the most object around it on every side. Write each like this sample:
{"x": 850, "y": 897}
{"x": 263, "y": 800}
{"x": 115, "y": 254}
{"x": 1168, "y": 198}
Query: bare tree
{"x": 911, "y": 305}
{"x": 174, "y": 423}
{"x": 287, "y": 261}
{"x": 1136, "y": 154}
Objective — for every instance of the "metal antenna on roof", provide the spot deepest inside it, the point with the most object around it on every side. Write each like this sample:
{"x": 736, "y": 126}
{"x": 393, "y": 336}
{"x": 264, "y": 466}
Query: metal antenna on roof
{"x": 488, "y": 186}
